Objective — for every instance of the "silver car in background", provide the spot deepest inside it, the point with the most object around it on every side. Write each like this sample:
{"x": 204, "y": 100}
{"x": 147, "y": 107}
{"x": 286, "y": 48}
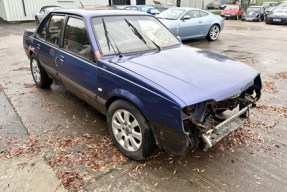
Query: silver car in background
{"x": 39, "y": 16}
{"x": 192, "y": 23}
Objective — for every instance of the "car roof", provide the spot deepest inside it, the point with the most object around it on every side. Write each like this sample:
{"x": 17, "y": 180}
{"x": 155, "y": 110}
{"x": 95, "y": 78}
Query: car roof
{"x": 255, "y": 6}
{"x": 87, "y": 13}
{"x": 270, "y": 2}
{"x": 186, "y": 8}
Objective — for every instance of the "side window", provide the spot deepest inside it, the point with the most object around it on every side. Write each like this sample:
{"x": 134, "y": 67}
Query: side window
{"x": 203, "y": 14}
{"x": 193, "y": 14}
{"x": 76, "y": 38}
{"x": 51, "y": 30}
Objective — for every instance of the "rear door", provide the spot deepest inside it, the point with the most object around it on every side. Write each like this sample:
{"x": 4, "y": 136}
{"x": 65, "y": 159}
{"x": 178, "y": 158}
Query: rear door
{"x": 47, "y": 42}
{"x": 76, "y": 68}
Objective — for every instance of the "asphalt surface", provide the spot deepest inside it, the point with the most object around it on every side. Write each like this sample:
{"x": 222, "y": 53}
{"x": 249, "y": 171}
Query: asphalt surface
{"x": 68, "y": 141}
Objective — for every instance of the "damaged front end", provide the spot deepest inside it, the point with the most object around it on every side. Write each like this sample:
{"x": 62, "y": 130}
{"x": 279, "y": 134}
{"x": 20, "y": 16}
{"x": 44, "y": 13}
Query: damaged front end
{"x": 210, "y": 121}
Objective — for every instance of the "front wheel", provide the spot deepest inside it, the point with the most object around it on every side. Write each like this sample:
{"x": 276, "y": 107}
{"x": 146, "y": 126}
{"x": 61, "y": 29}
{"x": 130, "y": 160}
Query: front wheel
{"x": 213, "y": 33}
{"x": 40, "y": 76}
{"x": 130, "y": 130}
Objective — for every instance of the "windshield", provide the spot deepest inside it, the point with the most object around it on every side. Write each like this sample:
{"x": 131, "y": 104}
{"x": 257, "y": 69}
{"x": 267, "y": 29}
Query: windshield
{"x": 253, "y": 9}
{"x": 115, "y": 33}
{"x": 232, "y": 7}
{"x": 283, "y": 4}
{"x": 172, "y": 14}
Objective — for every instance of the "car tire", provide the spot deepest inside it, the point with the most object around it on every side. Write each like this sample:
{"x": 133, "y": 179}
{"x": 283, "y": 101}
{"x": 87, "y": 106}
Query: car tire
{"x": 259, "y": 19}
{"x": 39, "y": 74}
{"x": 130, "y": 130}
{"x": 213, "y": 32}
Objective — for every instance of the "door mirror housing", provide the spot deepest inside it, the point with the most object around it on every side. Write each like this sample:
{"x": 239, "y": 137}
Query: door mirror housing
{"x": 153, "y": 11}
{"x": 186, "y": 17}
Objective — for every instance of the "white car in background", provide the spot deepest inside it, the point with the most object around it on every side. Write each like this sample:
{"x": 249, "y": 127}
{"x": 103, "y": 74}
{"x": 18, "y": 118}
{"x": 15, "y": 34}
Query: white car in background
{"x": 39, "y": 16}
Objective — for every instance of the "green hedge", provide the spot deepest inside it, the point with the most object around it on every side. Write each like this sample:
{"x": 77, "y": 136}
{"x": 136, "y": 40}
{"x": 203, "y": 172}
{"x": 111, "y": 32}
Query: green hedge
{"x": 215, "y": 12}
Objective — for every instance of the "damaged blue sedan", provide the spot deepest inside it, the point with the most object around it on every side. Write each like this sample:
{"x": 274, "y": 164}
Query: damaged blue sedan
{"x": 154, "y": 90}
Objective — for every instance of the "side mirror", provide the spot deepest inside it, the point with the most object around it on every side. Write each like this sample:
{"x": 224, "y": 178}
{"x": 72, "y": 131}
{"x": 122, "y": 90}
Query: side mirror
{"x": 153, "y": 11}
{"x": 186, "y": 17}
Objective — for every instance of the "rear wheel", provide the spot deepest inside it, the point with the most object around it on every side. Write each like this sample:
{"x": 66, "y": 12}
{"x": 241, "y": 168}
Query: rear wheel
{"x": 213, "y": 33}
{"x": 130, "y": 130}
{"x": 40, "y": 76}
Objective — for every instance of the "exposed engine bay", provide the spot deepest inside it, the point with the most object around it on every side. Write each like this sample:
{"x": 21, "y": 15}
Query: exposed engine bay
{"x": 208, "y": 122}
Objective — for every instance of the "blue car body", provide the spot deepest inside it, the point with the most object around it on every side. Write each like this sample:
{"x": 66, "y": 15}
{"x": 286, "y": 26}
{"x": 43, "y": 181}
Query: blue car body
{"x": 161, "y": 84}
{"x": 198, "y": 26}
{"x": 143, "y": 8}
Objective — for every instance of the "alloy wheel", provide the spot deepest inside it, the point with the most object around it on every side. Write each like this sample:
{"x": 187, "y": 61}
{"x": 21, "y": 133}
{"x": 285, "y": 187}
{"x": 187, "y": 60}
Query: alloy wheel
{"x": 36, "y": 71}
{"x": 214, "y": 32}
{"x": 126, "y": 130}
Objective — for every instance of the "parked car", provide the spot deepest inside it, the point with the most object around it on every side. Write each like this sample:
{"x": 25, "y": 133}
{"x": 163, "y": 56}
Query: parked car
{"x": 39, "y": 16}
{"x": 278, "y": 16}
{"x": 191, "y": 23}
{"x": 233, "y": 11}
{"x": 254, "y": 13}
{"x": 217, "y": 4}
{"x": 268, "y": 4}
{"x": 270, "y": 9}
{"x": 144, "y": 8}
{"x": 153, "y": 89}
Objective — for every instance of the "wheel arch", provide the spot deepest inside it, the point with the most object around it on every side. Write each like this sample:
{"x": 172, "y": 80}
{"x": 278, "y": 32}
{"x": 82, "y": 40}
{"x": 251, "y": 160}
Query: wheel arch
{"x": 120, "y": 94}
{"x": 136, "y": 102}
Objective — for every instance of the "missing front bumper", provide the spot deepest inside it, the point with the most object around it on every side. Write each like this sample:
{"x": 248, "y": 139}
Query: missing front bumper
{"x": 213, "y": 136}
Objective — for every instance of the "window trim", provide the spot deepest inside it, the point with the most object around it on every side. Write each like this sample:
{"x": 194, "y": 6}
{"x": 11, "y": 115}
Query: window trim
{"x": 63, "y": 36}
{"x": 48, "y": 19}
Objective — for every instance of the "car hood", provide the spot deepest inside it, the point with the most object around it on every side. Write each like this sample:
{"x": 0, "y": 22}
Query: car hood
{"x": 168, "y": 22}
{"x": 193, "y": 75}
{"x": 278, "y": 14}
{"x": 250, "y": 13}
{"x": 230, "y": 11}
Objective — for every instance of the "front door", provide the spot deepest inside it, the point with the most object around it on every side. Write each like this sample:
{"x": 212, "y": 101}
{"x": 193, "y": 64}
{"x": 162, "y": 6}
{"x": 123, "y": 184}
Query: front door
{"x": 190, "y": 27}
{"x": 47, "y": 42}
{"x": 77, "y": 70}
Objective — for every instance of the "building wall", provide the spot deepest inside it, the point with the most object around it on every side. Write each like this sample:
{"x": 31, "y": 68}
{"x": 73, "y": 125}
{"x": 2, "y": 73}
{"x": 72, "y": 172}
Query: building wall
{"x": 15, "y": 9}
{"x": 184, "y": 3}
{"x": 201, "y": 4}
{"x": 2, "y": 10}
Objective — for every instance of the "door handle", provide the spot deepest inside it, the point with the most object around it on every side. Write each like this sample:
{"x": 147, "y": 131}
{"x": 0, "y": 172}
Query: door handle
{"x": 62, "y": 58}
{"x": 200, "y": 22}
{"x": 38, "y": 46}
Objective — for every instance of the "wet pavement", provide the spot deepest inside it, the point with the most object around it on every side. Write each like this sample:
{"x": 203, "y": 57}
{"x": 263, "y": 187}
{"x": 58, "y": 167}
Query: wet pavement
{"x": 69, "y": 141}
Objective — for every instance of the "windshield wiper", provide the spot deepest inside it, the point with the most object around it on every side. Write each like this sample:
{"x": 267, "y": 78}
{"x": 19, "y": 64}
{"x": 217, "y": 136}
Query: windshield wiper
{"x": 140, "y": 35}
{"x": 109, "y": 38}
